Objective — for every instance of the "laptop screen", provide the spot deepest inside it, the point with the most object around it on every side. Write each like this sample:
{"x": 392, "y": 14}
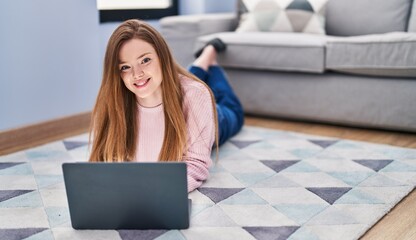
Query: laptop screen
{"x": 127, "y": 195}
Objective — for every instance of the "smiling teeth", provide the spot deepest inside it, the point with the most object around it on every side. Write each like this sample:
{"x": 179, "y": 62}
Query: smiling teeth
{"x": 139, "y": 84}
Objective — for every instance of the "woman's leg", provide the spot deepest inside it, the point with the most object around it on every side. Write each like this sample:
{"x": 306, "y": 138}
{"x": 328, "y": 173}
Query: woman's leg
{"x": 229, "y": 109}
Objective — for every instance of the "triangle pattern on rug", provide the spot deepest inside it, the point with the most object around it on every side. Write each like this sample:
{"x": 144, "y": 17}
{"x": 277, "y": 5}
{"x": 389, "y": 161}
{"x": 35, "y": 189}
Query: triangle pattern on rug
{"x": 57, "y": 215}
{"x": 329, "y": 194}
{"x": 379, "y": 180}
{"x": 351, "y": 178}
{"x": 283, "y": 209}
{"x": 323, "y": 143}
{"x": 300, "y": 213}
{"x": 304, "y": 233}
{"x": 243, "y": 144}
{"x": 213, "y": 216}
{"x": 5, "y": 165}
{"x": 141, "y": 234}
{"x": 48, "y": 180}
{"x": 8, "y": 194}
{"x": 333, "y": 216}
{"x": 69, "y": 145}
{"x": 397, "y": 166}
{"x": 31, "y": 199}
{"x": 245, "y": 197}
{"x": 219, "y": 194}
{"x": 279, "y": 165}
{"x": 357, "y": 196}
{"x": 374, "y": 164}
{"x": 249, "y": 179}
{"x": 266, "y": 233}
{"x": 19, "y": 233}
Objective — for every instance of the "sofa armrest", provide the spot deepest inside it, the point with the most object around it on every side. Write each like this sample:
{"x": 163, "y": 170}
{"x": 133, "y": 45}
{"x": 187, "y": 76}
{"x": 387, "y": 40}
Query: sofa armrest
{"x": 182, "y": 31}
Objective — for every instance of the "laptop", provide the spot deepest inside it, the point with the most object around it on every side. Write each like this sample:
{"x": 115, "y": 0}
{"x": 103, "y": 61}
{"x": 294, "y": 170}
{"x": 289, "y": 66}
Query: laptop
{"x": 128, "y": 195}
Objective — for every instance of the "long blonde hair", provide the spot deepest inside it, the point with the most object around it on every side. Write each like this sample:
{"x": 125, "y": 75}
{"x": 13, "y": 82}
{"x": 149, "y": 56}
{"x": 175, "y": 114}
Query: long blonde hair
{"x": 114, "y": 127}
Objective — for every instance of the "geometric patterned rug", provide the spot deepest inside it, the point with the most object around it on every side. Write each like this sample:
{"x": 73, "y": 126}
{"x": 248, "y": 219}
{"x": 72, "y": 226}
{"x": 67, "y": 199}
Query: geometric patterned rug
{"x": 267, "y": 184}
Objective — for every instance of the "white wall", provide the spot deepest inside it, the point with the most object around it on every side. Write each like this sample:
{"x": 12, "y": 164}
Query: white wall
{"x": 49, "y": 64}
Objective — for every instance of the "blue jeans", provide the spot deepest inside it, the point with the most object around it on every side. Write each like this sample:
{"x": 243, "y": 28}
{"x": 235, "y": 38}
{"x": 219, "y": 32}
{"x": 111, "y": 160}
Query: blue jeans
{"x": 229, "y": 109}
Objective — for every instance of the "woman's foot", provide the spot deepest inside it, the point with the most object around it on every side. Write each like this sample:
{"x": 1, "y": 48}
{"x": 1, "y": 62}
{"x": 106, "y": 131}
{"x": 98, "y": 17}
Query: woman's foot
{"x": 217, "y": 43}
{"x": 207, "y": 58}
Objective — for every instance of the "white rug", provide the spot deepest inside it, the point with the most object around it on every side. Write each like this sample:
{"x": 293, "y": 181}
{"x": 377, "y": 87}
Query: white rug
{"x": 267, "y": 184}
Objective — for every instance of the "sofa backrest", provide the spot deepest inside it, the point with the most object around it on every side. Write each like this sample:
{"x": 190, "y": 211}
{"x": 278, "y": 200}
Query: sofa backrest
{"x": 359, "y": 17}
{"x": 412, "y": 20}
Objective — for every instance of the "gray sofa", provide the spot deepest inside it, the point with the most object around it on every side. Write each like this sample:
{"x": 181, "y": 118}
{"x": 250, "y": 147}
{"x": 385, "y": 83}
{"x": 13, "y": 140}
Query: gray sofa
{"x": 361, "y": 73}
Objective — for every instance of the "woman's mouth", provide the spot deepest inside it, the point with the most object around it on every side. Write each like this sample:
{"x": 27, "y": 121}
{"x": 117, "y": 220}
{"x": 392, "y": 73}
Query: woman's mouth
{"x": 142, "y": 83}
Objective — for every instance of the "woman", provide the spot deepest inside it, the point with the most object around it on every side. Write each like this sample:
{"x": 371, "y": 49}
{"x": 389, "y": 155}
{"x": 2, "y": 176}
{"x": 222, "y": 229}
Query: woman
{"x": 150, "y": 109}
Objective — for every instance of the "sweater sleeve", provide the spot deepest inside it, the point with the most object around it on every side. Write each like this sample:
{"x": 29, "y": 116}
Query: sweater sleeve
{"x": 199, "y": 115}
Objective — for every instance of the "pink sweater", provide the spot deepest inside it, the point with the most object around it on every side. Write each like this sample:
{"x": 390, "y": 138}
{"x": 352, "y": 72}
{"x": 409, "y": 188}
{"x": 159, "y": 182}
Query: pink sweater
{"x": 200, "y": 122}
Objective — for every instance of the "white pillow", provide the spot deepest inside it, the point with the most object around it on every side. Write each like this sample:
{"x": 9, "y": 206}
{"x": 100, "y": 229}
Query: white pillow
{"x": 306, "y": 16}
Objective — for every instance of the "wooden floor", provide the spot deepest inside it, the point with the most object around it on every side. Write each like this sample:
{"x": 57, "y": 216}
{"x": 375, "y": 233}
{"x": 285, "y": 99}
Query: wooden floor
{"x": 400, "y": 223}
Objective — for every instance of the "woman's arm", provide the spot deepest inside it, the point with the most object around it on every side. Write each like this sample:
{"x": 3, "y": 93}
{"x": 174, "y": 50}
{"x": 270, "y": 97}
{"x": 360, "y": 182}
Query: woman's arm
{"x": 199, "y": 115}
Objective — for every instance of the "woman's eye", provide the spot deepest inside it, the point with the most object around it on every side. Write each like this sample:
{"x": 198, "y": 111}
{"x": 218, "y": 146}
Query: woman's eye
{"x": 124, "y": 68}
{"x": 146, "y": 60}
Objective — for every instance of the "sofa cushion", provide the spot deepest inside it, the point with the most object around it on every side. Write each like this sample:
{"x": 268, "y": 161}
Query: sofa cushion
{"x": 389, "y": 54}
{"x": 359, "y": 17}
{"x": 271, "y": 51}
{"x": 282, "y": 16}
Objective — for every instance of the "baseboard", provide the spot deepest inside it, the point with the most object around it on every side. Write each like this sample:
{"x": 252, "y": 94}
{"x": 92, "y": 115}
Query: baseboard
{"x": 37, "y": 134}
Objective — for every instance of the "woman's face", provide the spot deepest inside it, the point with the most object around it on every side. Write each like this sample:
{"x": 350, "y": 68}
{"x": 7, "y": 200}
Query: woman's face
{"x": 140, "y": 70}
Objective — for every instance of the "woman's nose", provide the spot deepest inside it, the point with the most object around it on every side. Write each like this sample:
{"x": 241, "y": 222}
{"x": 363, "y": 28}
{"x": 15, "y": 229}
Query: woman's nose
{"x": 138, "y": 72}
